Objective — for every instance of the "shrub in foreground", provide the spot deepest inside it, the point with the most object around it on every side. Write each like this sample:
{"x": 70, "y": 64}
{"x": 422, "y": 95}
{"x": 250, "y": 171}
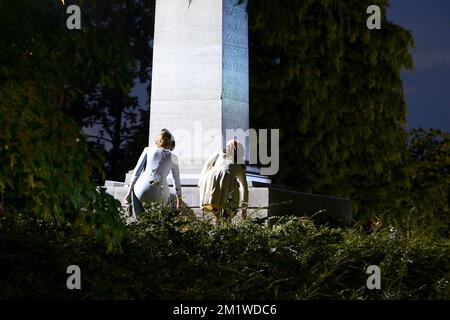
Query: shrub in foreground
{"x": 166, "y": 256}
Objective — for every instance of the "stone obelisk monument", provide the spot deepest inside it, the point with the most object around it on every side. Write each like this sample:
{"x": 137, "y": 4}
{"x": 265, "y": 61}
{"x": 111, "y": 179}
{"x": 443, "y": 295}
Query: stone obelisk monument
{"x": 200, "y": 81}
{"x": 200, "y": 89}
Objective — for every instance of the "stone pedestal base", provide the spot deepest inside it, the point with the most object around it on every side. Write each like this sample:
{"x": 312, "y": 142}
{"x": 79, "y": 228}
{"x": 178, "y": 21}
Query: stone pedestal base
{"x": 268, "y": 201}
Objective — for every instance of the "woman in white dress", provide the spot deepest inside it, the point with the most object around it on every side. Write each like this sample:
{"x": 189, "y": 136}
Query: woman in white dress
{"x": 223, "y": 183}
{"x": 149, "y": 179}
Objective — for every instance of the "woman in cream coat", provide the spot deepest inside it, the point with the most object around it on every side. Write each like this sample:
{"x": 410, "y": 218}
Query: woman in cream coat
{"x": 223, "y": 183}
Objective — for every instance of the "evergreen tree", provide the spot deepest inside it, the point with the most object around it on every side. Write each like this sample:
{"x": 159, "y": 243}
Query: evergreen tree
{"x": 333, "y": 88}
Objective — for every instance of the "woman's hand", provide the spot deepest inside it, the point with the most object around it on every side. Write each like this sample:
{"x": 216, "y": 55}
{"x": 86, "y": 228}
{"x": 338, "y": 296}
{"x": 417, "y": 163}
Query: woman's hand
{"x": 180, "y": 204}
{"x": 244, "y": 211}
{"x": 130, "y": 191}
{"x": 128, "y": 196}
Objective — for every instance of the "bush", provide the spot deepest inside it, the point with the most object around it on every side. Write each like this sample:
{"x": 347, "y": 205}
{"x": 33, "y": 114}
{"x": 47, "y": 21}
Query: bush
{"x": 167, "y": 256}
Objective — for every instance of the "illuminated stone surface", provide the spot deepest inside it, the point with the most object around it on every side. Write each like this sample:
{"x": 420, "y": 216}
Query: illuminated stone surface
{"x": 200, "y": 82}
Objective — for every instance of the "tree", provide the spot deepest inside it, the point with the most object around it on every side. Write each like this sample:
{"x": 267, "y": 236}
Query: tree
{"x": 116, "y": 121}
{"x": 333, "y": 87}
{"x": 113, "y": 111}
{"x": 94, "y": 68}
{"x": 51, "y": 82}
{"x": 430, "y": 178}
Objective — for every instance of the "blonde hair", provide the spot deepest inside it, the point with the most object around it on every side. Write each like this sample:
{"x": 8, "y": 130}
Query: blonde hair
{"x": 165, "y": 140}
{"x": 235, "y": 150}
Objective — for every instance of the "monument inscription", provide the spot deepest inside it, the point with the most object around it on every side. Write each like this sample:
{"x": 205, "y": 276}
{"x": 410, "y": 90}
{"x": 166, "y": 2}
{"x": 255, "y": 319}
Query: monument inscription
{"x": 235, "y": 72}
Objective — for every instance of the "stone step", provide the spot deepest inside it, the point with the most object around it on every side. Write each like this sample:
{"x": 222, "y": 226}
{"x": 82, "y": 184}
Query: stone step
{"x": 265, "y": 202}
{"x": 192, "y": 180}
{"x": 109, "y": 183}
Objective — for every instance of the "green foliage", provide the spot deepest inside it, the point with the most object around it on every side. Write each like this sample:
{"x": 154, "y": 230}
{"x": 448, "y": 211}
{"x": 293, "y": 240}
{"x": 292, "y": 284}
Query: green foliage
{"x": 167, "y": 256}
{"x": 333, "y": 87}
{"x": 45, "y": 161}
{"x": 44, "y": 156}
{"x": 51, "y": 82}
{"x": 103, "y": 219}
{"x": 430, "y": 176}
{"x": 88, "y": 74}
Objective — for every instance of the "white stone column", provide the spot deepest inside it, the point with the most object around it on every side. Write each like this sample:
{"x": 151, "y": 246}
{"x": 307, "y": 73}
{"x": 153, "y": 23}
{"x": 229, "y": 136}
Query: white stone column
{"x": 200, "y": 76}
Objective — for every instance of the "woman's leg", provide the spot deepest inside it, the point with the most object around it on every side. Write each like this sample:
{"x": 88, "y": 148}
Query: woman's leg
{"x": 138, "y": 207}
{"x": 216, "y": 216}
{"x": 226, "y": 216}
{"x": 220, "y": 216}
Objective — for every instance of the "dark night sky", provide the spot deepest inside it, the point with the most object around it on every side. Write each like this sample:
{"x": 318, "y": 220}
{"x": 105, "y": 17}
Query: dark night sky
{"x": 427, "y": 87}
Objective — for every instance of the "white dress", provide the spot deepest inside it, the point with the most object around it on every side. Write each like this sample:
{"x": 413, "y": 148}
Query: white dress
{"x": 150, "y": 177}
{"x": 222, "y": 184}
